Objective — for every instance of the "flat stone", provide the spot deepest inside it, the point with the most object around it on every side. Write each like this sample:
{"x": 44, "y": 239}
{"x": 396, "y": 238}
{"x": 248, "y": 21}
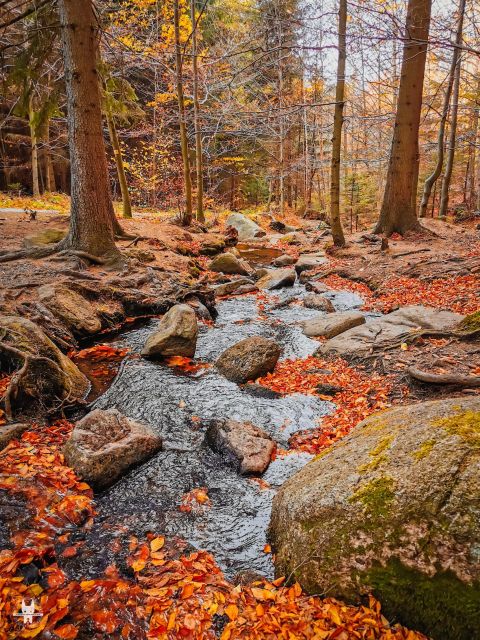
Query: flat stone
{"x": 400, "y": 325}
{"x": 105, "y": 444}
{"x": 227, "y": 288}
{"x": 309, "y": 262}
{"x": 242, "y": 445}
{"x": 249, "y": 359}
{"x": 176, "y": 334}
{"x": 332, "y": 324}
{"x": 277, "y": 279}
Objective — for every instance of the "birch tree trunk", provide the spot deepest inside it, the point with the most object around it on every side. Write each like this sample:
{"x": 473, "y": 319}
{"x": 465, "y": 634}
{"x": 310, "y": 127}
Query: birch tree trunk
{"x": 187, "y": 216}
{"x": 92, "y": 217}
{"x": 397, "y": 213}
{"x": 430, "y": 181}
{"x": 337, "y": 231}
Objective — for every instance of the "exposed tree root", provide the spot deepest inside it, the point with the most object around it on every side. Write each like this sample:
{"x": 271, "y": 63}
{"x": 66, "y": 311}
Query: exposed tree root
{"x": 448, "y": 378}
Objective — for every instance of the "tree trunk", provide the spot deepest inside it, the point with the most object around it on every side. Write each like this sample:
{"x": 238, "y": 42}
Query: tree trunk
{"x": 397, "y": 213}
{"x": 122, "y": 178}
{"x": 196, "y": 116}
{"x": 337, "y": 231}
{"x": 34, "y": 145}
{"x": 187, "y": 216}
{"x": 430, "y": 181}
{"x": 92, "y": 216}
{"x": 49, "y": 170}
{"x": 443, "y": 209}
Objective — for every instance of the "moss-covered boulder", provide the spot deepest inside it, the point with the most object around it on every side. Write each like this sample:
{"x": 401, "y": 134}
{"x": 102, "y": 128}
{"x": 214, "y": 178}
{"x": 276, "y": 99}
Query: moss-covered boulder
{"x": 393, "y": 509}
{"x": 44, "y": 238}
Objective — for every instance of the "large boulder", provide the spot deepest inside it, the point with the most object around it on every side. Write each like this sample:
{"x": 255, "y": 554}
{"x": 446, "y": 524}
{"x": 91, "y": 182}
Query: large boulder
{"x": 105, "y": 444}
{"x": 249, "y": 359}
{"x": 73, "y": 309}
{"x": 247, "y": 229}
{"x": 50, "y": 379}
{"x": 277, "y": 279}
{"x": 401, "y": 325}
{"x": 242, "y": 445}
{"x": 176, "y": 334}
{"x": 332, "y": 324}
{"x": 392, "y": 509}
{"x": 228, "y": 263}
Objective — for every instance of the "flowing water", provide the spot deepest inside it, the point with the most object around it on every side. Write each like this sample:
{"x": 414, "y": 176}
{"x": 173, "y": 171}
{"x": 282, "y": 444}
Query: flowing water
{"x": 174, "y": 403}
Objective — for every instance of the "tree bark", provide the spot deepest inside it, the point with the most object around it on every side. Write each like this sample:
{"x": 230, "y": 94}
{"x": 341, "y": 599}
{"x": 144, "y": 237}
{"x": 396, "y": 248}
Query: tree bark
{"x": 187, "y": 216}
{"x": 397, "y": 213}
{"x": 122, "y": 178}
{"x": 337, "y": 231}
{"x": 92, "y": 216}
{"x": 34, "y": 145}
{"x": 196, "y": 116}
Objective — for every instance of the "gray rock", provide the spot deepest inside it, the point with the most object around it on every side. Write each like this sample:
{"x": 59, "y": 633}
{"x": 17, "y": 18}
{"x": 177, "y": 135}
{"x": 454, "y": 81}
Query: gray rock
{"x": 400, "y": 325}
{"x": 316, "y": 301}
{"x": 228, "y": 263}
{"x": 242, "y": 445}
{"x": 277, "y": 279}
{"x": 50, "y": 378}
{"x": 227, "y": 288}
{"x": 333, "y": 324}
{"x": 11, "y": 431}
{"x": 105, "y": 444}
{"x": 284, "y": 261}
{"x": 249, "y": 359}
{"x": 392, "y": 509}
{"x": 309, "y": 262}
{"x": 73, "y": 309}
{"x": 176, "y": 334}
{"x": 247, "y": 229}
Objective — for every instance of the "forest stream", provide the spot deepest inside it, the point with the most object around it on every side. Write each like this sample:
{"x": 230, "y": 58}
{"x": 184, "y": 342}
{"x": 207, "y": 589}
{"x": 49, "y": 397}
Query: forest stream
{"x": 177, "y": 404}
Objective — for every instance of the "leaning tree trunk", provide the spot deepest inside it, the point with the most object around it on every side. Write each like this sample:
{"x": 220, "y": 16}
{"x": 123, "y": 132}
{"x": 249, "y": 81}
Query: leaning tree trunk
{"x": 430, "y": 181}
{"x": 92, "y": 217}
{"x": 336, "y": 224}
{"x": 397, "y": 213}
{"x": 122, "y": 178}
{"x": 187, "y": 217}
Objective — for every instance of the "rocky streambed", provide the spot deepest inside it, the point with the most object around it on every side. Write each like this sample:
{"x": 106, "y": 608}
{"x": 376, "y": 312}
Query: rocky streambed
{"x": 177, "y": 405}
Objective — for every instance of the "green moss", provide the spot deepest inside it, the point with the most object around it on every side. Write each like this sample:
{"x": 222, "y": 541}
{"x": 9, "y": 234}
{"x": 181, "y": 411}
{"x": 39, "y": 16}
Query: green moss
{"x": 376, "y": 496}
{"x": 322, "y": 454}
{"x": 471, "y": 323}
{"x": 440, "y": 606}
{"x": 466, "y": 425}
{"x": 377, "y": 453}
{"x": 424, "y": 450}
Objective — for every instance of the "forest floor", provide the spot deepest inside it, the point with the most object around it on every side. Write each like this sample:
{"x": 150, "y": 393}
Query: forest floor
{"x": 169, "y": 594}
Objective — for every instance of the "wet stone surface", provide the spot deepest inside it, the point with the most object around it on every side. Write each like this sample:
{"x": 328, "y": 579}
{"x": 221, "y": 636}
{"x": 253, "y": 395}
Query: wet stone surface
{"x": 175, "y": 403}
